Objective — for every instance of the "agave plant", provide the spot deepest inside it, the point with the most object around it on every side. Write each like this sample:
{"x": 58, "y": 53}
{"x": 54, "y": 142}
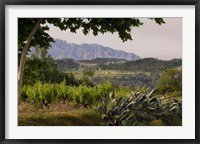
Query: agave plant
{"x": 138, "y": 109}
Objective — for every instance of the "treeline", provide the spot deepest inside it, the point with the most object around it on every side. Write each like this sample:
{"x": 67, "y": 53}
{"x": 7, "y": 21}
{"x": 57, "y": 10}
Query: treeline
{"x": 137, "y": 80}
{"x": 67, "y": 64}
{"x": 144, "y": 65}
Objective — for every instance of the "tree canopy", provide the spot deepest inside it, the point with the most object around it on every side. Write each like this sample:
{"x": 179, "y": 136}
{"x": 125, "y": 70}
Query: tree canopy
{"x": 170, "y": 80}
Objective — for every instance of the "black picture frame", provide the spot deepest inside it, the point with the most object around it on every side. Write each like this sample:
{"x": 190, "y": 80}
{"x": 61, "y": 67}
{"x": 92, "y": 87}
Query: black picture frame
{"x": 3, "y": 4}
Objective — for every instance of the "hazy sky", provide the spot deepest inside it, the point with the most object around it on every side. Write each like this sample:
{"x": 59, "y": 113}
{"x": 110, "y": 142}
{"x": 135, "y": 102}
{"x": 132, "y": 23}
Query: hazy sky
{"x": 149, "y": 40}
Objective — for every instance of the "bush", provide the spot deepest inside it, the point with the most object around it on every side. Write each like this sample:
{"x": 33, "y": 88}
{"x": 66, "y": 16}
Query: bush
{"x": 45, "y": 93}
{"x": 170, "y": 81}
{"x": 41, "y": 94}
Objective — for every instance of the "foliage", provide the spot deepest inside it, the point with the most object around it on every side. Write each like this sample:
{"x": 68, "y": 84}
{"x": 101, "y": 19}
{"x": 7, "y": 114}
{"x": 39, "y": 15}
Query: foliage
{"x": 170, "y": 81}
{"x": 40, "y": 94}
{"x": 105, "y": 88}
{"x": 120, "y": 90}
{"x": 40, "y": 39}
{"x": 38, "y": 70}
{"x": 84, "y": 80}
{"x": 70, "y": 78}
{"x": 144, "y": 65}
{"x": 130, "y": 79}
{"x": 89, "y": 73}
{"x": 66, "y": 64}
{"x": 140, "y": 109}
{"x": 46, "y": 93}
{"x": 62, "y": 90}
{"x": 45, "y": 70}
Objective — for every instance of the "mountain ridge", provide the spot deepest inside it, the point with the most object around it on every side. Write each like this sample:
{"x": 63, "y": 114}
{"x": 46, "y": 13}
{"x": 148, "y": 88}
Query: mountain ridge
{"x": 62, "y": 49}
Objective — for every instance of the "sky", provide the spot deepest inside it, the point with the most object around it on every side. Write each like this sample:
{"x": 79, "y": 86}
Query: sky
{"x": 150, "y": 40}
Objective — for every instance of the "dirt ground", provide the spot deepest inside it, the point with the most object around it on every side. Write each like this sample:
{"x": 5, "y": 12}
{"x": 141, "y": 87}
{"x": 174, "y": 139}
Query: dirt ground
{"x": 25, "y": 107}
{"x": 58, "y": 114}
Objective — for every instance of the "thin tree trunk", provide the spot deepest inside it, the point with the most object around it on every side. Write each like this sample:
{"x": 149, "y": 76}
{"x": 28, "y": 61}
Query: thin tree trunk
{"x": 24, "y": 52}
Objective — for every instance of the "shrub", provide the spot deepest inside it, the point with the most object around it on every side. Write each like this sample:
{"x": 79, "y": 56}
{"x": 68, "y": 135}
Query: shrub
{"x": 170, "y": 81}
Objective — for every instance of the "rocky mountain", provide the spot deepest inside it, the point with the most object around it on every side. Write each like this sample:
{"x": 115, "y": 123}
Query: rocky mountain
{"x": 61, "y": 49}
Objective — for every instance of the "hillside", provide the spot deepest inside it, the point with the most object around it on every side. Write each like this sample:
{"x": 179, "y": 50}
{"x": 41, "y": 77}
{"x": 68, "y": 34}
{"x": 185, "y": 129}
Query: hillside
{"x": 142, "y": 65}
{"x": 145, "y": 65}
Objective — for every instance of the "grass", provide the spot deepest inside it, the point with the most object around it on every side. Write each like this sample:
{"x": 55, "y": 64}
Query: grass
{"x": 76, "y": 117}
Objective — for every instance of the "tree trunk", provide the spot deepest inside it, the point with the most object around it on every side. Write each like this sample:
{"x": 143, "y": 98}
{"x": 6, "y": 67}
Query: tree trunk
{"x": 24, "y": 52}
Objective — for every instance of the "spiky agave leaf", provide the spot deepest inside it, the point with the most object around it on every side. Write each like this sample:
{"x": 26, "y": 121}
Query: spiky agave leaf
{"x": 140, "y": 109}
{"x": 151, "y": 93}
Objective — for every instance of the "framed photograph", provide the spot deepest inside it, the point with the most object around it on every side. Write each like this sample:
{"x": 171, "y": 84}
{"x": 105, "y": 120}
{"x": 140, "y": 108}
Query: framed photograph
{"x": 99, "y": 71}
